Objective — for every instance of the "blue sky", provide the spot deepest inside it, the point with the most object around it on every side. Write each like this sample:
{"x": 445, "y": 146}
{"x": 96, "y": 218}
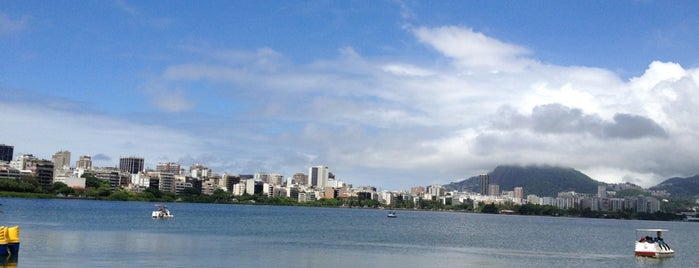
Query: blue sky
{"x": 386, "y": 93}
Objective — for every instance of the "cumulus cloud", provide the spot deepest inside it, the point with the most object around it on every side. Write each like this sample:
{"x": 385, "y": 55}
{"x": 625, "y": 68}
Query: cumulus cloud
{"x": 559, "y": 119}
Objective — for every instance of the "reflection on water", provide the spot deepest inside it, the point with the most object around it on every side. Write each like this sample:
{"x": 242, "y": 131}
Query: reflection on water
{"x": 8, "y": 261}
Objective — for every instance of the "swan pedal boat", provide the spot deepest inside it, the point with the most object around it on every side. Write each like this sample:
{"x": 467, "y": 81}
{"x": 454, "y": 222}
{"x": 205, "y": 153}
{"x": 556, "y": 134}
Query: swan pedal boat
{"x": 654, "y": 247}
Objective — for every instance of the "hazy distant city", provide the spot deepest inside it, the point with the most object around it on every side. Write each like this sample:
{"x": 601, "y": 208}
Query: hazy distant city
{"x": 319, "y": 183}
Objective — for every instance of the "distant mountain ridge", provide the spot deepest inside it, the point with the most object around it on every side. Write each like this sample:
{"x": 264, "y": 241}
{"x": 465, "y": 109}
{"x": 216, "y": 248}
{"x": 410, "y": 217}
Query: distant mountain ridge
{"x": 539, "y": 180}
{"x": 679, "y": 186}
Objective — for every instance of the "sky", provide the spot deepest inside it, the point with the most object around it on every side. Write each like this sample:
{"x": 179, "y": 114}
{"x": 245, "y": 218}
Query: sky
{"x": 391, "y": 94}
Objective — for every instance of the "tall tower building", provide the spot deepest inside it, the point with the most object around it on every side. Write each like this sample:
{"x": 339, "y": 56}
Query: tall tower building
{"x": 318, "y": 176}
{"x": 132, "y": 165}
{"x": 6, "y": 152}
{"x": 61, "y": 160}
{"x": 485, "y": 180}
{"x": 84, "y": 162}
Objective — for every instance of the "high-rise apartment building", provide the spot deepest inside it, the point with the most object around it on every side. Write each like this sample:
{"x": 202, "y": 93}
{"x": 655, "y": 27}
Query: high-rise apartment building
{"x": 168, "y": 167}
{"x": 43, "y": 171}
{"x": 84, "y": 162}
{"x": 61, "y": 160}
{"x": 485, "y": 180}
{"x": 6, "y": 152}
{"x": 299, "y": 178}
{"x": 200, "y": 171}
{"x": 132, "y": 165}
{"x": 493, "y": 189}
{"x": 318, "y": 176}
{"x": 601, "y": 191}
{"x": 519, "y": 192}
{"x": 417, "y": 190}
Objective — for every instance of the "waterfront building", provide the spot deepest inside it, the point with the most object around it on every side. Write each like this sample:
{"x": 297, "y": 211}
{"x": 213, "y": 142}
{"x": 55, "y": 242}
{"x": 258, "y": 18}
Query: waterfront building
{"x": 43, "y": 171}
{"x": 132, "y": 165}
{"x": 164, "y": 180}
{"x": 228, "y": 180}
{"x": 485, "y": 181}
{"x": 84, "y": 162}
{"x": 112, "y": 175}
{"x": 6, "y": 152}
{"x": 181, "y": 185}
{"x": 318, "y": 176}
{"x": 8, "y": 172}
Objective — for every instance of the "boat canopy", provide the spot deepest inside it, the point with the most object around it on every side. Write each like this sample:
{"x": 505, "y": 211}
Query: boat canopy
{"x": 652, "y": 230}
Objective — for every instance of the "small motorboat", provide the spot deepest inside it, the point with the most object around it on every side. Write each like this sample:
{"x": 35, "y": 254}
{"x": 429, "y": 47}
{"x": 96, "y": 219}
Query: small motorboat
{"x": 162, "y": 212}
{"x": 392, "y": 214}
{"x": 652, "y": 246}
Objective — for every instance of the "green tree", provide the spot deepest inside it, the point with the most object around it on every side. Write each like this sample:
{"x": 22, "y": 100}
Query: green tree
{"x": 490, "y": 208}
{"x": 62, "y": 188}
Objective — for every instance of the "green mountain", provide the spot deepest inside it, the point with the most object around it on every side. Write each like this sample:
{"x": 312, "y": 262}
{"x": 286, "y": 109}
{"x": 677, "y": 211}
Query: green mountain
{"x": 679, "y": 186}
{"x": 537, "y": 180}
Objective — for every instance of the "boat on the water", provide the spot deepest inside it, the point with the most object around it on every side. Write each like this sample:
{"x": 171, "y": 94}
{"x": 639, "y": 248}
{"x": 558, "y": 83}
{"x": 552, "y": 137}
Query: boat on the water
{"x": 9, "y": 240}
{"x": 652, "y": 246}
{"x": 392, "y": 214}
{"x": 162, "y": 212}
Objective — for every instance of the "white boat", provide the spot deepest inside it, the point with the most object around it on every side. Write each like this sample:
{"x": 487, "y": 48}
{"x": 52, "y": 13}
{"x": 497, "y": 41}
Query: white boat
{"x": 392, "y": 214}
{"x": 652, "y": 246}
{"x": 162, "y": 213}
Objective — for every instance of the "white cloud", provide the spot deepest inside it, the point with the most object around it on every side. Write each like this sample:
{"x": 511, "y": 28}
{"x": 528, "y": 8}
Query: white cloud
{"x": 397, "y": 123}
{"x": 9, "y": 25}
{"x": 43, "y": 131}
{"x": 165, "y": 99}
{"x": 474, "y": 50}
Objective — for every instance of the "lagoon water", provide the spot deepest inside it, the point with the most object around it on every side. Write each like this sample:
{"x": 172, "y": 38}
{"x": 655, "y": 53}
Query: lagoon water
{"x": 83, "y": 233}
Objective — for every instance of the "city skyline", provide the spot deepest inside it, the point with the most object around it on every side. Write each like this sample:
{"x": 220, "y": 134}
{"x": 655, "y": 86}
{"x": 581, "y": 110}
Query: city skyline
{"x": 397, "y": 94}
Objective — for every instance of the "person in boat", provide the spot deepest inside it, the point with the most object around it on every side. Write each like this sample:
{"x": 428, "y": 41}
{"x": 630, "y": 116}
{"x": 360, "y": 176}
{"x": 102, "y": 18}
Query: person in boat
{"x": 643, "y": 239}
{"x": 662, "y": 244}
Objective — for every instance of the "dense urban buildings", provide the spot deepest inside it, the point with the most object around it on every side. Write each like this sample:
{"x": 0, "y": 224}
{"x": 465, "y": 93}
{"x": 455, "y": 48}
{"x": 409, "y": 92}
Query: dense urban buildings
{"x": 319, "y": 183}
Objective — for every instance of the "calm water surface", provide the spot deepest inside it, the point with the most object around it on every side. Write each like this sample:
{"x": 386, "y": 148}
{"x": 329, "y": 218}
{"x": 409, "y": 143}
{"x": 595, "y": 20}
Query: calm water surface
{"x": 80, "y": 233}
